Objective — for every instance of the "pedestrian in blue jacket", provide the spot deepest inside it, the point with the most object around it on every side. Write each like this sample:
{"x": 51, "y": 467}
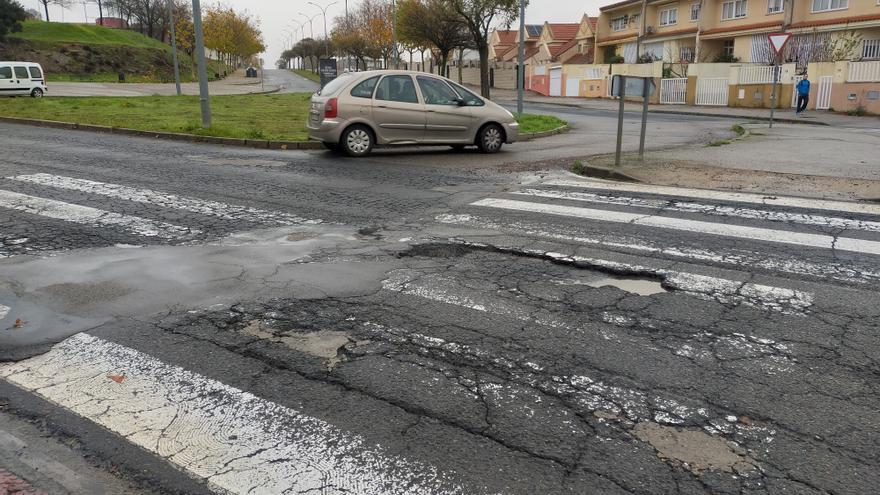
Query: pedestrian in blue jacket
{"x": 803, "y": 95}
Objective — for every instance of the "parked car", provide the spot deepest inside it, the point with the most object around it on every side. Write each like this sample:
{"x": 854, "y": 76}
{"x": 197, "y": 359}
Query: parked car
{"x": 360, "y": 110}
{"x": 22, "y": 79}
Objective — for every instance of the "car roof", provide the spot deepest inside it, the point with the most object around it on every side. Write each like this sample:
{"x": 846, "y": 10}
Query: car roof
{"x": 385, "y": 72}
{"x": 18, "y": 63}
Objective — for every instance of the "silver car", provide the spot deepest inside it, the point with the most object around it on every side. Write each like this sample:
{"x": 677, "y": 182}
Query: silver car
{"x": 357, "y": 111}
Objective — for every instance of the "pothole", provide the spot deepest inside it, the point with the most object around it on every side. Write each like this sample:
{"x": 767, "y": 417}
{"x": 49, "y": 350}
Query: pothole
{"x": 695, "y": 449}
{"x": 642, "y": 287}
{"x": 438, "y": 250}
{"x": 323, "y": 344}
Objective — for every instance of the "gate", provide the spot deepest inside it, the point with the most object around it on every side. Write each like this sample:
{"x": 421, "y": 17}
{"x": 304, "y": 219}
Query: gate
{"x": 673, "y": 91}
{"x": 572, "y": 87}
{"x": 823, "y": 99}
{"x": 712, "y": 91}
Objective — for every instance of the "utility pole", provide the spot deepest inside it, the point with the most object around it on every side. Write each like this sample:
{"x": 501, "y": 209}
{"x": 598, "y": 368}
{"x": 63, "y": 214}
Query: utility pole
{"x": 521, "y": 70}
{"x": 394, "y": 33}
{"x": 174, "y": 46}
{"x": 204, "y": 97}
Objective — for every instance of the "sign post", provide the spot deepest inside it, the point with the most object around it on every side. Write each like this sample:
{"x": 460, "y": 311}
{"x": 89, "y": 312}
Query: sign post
{"x": 621, "y": 86}
{"x": 777, "y": 44}
{"x": 327, "y": 70}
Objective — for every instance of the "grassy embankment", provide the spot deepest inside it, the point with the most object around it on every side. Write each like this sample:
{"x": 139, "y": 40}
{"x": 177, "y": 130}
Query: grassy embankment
{"x": 311, "y": 76}
{"x": 83, "y": 52}
{"x": 276, "y": 117}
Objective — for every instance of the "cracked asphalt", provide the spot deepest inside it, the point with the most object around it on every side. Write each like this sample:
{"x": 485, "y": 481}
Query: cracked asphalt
{"x": 269, "y": 322}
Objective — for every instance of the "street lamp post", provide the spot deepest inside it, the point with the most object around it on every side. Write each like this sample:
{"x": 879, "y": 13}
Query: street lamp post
{"x": 311, "y": 30}
{"x": 324, "y": 11}
{"x": 174, "y": 48}
{"x": 521, "y": 70}
{"x": 204, "y": 97}
{"x": 394, "y": 34}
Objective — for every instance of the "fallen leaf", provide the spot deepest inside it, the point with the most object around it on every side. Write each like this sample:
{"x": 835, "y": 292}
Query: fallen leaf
{"x": 18, "y": 323}
{"x": 116, "y": 378}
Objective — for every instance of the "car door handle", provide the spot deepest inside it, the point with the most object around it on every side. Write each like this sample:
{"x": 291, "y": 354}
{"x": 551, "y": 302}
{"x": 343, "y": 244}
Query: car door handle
{"x": 381, "y": 106}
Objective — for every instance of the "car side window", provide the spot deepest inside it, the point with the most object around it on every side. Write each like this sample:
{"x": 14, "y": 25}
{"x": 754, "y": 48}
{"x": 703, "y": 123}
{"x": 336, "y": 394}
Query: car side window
{"x": 437, "y": 92}
{"x": 21, "y": 73}
{"x": 35, "y": 73}
{"x": 5, "y": 72}
{"x": 470, "y": 99}
{"x": 397, "y": 88}
{"x": 365, "y": 88}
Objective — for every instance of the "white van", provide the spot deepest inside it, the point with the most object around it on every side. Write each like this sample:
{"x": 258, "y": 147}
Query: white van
{"x": 22, "y": 79}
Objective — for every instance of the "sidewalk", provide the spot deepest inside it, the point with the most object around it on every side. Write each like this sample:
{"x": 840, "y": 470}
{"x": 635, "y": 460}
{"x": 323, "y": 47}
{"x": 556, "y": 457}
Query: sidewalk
{"x": 236, "y": 84}
{"x": 817, "y": 117}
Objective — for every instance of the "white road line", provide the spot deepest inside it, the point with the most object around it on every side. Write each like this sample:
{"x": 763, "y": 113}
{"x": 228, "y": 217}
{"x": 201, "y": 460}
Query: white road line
{"x": 94, "y": 217}
{"x": 761, "y": 199}
{"x": 724, "y": 211}
{"x": 237, "y": 442}
{"x": 4, "y": 311}
{"x": 737, "y": 231}
{"x": 736, "y": 258}
{"x": 166, "y": 200}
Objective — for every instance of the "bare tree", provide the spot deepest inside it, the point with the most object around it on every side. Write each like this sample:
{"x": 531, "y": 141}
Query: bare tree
{"x": 61, "y": 3}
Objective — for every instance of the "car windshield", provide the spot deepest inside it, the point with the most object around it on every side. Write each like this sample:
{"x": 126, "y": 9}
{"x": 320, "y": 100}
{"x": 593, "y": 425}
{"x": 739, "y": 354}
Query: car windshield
{"x": 334, "y": 86}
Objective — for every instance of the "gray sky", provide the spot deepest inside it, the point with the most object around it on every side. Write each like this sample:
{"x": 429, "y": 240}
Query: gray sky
{"x": 279, "y": 15}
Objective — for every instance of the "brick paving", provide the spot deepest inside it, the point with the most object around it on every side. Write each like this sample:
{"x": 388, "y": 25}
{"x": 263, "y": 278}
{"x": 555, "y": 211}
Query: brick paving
{"x": 11, "y": 484}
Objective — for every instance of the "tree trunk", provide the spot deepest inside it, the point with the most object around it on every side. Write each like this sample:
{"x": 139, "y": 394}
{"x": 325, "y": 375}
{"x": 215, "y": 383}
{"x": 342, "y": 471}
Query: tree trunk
{"x": 46, "y": 6}
{"x": 101, "y": 12}
{"x": 483, "y": 47}
{"x": 461, "y": 66}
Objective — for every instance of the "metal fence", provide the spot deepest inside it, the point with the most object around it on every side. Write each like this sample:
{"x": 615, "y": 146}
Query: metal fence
{"x": 712, "y": 91}
{"x": 673, "y": 91}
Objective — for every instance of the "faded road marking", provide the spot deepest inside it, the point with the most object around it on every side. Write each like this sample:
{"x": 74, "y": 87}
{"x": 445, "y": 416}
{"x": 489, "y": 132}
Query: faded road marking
{"x": 4, "y": 311}
{"x": 761, "y": 199}
{"x": 93, "y": 217}
{"x": 724, "y": 211}
{"x": 237, "y": 442}
{"x": 166, "y": 200}
{"x": 719, "y": 229}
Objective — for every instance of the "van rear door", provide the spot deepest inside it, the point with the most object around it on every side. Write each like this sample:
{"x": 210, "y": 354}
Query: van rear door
{"x": 8, "y": 86}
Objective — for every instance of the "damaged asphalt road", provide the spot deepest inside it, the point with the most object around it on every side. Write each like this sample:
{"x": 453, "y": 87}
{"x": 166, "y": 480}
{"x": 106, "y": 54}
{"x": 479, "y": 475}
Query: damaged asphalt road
{"x": 443, "y": 336}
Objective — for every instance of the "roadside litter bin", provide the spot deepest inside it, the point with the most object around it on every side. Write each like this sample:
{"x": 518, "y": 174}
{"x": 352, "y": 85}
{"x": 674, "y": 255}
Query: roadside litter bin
{"x": 121, "y": 76}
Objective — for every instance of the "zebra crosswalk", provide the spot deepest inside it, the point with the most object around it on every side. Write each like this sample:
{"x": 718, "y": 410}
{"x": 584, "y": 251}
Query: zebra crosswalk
{"x": 102, "y": 213}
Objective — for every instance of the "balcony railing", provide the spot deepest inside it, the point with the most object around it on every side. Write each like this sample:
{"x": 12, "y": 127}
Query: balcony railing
{"x": 864, "y": 72}
{"x": 757, "y": 74}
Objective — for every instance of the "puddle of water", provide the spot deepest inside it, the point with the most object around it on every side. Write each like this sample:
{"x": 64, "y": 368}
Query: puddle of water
{"x": 641, "y": 287}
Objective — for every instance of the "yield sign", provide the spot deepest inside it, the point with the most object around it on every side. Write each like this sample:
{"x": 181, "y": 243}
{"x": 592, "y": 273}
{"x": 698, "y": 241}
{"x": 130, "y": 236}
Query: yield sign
{"x": 778, "y": 41}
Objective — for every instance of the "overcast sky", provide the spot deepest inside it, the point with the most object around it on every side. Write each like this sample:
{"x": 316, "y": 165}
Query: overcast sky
{"x": 276, "y": 16}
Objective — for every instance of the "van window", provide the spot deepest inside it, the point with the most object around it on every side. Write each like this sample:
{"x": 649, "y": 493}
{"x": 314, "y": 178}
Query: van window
{"x": 35, "y": 73}
{"x": 5, "y": 72}
{"x": 21, "y": 73}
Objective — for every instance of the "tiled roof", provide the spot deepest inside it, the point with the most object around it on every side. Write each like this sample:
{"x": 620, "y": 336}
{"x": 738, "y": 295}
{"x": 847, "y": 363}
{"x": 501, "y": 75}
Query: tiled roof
{"x": 564, "y": 31}
{"x": 580, "y": 59}
{"x": 534, "y": 30}
{"x": 746, "y": 27}
{"x": 828, "y": 22}
{"x": 556, "y": 50}
{"x": 594, "y": 21}
{"x": 620, "y": 4}
{"x": 508, "y": 37}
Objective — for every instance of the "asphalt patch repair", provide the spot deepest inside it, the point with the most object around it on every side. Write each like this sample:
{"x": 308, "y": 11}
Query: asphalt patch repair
{"x": 695, "y": 449}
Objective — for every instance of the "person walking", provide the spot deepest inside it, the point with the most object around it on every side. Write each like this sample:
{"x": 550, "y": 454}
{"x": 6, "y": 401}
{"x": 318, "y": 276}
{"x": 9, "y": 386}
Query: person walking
{"x": 803, "y": 94}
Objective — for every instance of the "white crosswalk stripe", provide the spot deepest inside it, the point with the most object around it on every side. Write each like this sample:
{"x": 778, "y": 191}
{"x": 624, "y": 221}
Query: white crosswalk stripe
{"x": 86, "y": 215}
{"x": 715, "y": 210}
{"x": 235, "y": 441}
{"x": 686, "y": 225}
{"x": 166, "y": 200}
{"x": 734, "y": 197}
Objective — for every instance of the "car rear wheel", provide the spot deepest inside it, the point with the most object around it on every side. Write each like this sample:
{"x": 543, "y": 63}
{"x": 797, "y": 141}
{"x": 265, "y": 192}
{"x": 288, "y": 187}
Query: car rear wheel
{"x": 491, "y": 139}
{"x": 357, "y": 141}
{"x": 37, "y": 93}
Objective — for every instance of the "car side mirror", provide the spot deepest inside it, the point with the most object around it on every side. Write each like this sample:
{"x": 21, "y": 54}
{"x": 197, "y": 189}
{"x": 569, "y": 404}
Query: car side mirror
{"x": 461, "y": 102}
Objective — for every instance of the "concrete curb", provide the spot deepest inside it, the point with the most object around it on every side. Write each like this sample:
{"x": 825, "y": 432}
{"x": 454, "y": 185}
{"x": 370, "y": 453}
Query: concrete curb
{"x": 543, "y": 134}
{"x": 172, "y": 136}
{"x": 603, "y": 173}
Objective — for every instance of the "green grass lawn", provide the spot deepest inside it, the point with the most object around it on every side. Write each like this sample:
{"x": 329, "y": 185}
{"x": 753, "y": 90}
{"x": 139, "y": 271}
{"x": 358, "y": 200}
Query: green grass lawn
{"x": 57, "y": 32}
{"x": 308, "y": 75}
{"x": 277, "y": 117}
{"x": 529, "y": 123}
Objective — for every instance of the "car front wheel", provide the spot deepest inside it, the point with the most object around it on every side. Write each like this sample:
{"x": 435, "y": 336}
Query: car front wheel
{"x": 37, "y": 93}
{"x": 357, "y": 141}
{"x": 491, "y": 139}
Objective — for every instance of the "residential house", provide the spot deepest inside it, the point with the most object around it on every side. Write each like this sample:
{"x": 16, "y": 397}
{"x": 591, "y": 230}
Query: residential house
{"x": 501, "y": 41}
{"x": 617, "y": 32}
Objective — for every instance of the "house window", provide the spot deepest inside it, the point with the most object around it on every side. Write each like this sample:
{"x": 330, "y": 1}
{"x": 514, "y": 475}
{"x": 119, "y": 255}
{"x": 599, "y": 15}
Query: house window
{"x": 695, "y": 11}
{"x": 618, "y": 23}
{"x": 774, "y": 6}
{"x": 635, "y": 19}
{"x": 686, "y": 54}
{"x": 825, "y": 5}
{"x": 871, "y": 49}
{"x": 734, "y": 9}
{"x": 669, "y": 17}
{"x": 728, "y": 49}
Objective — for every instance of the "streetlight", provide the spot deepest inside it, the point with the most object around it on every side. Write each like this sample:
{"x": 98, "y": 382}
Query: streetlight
{"x": 302, "y": 27}
{"x": 311, "y": 27}
{"x": 521, "y": 70}
{"x": 324, "y": 11}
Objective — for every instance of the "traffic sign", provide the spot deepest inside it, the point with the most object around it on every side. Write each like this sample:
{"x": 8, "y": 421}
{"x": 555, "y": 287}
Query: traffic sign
{"x": 778, "y": 41}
